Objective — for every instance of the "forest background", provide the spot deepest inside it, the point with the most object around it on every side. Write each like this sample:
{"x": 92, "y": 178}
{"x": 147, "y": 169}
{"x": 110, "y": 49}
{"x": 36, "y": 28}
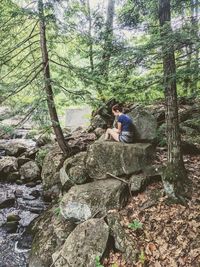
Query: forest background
{"x": 57, "y": 53}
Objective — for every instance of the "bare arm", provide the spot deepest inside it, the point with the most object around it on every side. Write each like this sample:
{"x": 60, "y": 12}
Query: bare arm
{"x": 119, "y": 127}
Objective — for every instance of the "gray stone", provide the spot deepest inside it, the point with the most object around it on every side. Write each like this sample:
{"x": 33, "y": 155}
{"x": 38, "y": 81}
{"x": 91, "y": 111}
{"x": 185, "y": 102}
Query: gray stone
{"x": 7, "y": 199}
{"x": 122, "y": 240}
{"x": 82, "y": 202}
{"x": 8, "y": 164}
{"x": 145, "y": 124}
{"x": 83, "y": 245}
{"x": 117, "y": 158}
{"x": 22, "y": 160}
{"x": 98, "y": 122}
{"x": 136, "y": 182}
{"x": 50, "y": 165}
{"x": 50, "y": 232}
{"x": 29, "y": 171}
{"x": 13, "y": 176}
{"x": 74, "y": 170}
{"x": 12, "y": 147}
{"x": 99, "y": 132}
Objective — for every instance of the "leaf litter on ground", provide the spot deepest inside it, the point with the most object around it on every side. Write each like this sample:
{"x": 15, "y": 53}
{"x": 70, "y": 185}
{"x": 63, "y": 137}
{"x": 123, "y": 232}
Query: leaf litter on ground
{"x": 170, "y": 233}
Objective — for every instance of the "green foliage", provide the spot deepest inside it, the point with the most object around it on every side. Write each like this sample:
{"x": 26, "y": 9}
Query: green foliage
{"x": 78, "y": 55}
{"x": 57, "y": 211}
{"x": 97, "y": 262}
{"x": 142, "y": 257}
{"x": 41, "y": 154}
{"x": 6, "y": 129}
{"x": 135, "y": 225}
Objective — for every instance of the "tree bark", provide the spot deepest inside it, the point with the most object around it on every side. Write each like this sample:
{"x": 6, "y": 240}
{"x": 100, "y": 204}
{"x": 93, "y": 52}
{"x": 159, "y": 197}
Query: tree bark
{"x": 47, "y": 81}
{"x": 195, "y": 64}
{"x": 90, "y": 36}
{"x": 175, "y": 174}
{"x": 108, "y": 38}
{"x": 107, "y": 48}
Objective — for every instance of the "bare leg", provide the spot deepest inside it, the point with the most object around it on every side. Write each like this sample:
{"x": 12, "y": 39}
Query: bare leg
{"x": 113, "y": 134}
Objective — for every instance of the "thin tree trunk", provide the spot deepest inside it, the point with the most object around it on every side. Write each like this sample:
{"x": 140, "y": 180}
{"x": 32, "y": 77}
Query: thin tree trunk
{"x": 175, "y": 173}
{"x": 47, "y": 80}
{"x": 108, "y": 39}
{"x": 90, "y": 36}
{"x": 107, "y": 49}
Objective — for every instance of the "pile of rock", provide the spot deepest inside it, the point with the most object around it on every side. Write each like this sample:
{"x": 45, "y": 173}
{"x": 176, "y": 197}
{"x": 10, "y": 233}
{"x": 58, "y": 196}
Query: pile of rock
{"x": 93, "y": 183}
{"x": 17, "y": 162}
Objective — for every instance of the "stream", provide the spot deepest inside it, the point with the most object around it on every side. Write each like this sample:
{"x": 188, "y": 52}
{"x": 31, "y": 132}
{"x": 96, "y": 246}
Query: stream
{"x": 20, "y": 204}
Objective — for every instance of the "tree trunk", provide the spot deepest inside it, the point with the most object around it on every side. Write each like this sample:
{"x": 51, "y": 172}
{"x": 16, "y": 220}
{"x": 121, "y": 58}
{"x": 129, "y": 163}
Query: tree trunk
{"x": 174, "y": 175}
{"x": 47, "y": 80}
{"x": 107, "y": 49}
{"x": 195, "y": 65}
{"x": 108, "y": 39}
{"x": 90, "y": 36}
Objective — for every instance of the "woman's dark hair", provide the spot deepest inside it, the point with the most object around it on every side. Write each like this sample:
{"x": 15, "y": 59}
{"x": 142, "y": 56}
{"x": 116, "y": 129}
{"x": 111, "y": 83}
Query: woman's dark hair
{"x": 117, "y": 107}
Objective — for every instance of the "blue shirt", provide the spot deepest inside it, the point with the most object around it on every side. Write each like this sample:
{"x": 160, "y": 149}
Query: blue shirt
{"x": 127, "y": 123}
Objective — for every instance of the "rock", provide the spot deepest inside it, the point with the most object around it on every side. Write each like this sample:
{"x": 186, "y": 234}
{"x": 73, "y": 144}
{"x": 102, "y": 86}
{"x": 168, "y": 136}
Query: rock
{"x": 11, "y": 227}
{"x": 19, "y": 182}
{"x": 13, "y": 218}
{"x": 50, "y": 165}
{"x": 52, "y": 195}
{"x": 7, "y": 199}
{"x": 189, "y": 148}
{"x": 74, "y": 171}
{"x": 29, "y": 171}
{"x": 18, "y": 193}
{"x": 31, "y": 184}
{"x": 35, "y": 193}
{"x": 122, "y": 240}
{"x": 22, "y": 160}
{"x": 136, "y": 182}
{"x": 98, "y": 122}
{"x": 12, "y": 147}
{"x": 188, "y": 131}
{"x": 49, "y": 234}
{"x": 117, "y": 158}
{"x": 145, "y": 124}
{"x": 82, "y": 202}
{"x": 79, "y": 141}
{"x": 13, "y": 177}
{"x": 83, "y": 245}
{"x": 8, "y": 164}
{"x": 99, "y": 132}
{"x": 43, "y": 140}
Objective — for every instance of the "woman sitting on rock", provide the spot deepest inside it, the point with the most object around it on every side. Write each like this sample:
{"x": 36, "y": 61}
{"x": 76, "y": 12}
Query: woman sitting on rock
{"x": 124, "y": 130}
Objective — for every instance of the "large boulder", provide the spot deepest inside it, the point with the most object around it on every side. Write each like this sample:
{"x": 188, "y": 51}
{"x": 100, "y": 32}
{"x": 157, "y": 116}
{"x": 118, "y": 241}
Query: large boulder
{"x": 98, "y": 122}
{"x": 7, "y": 165}
{"x": 83, "y": 245}
{"x": 50, "y": 167}
{"x": 50, "y": 232}
{"x": 117, "y": 158}
{"x": 74, "y": 170}
{"x": 12, "y": 147}
{"x": 29, "y": 171}
{"x": 123, "y": 242}
{"x": 145, "y": 124}
{"x": 82, "y": 202}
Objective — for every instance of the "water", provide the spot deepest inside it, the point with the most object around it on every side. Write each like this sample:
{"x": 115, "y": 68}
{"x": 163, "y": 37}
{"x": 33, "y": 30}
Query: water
{"x": 15, "y": 247}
